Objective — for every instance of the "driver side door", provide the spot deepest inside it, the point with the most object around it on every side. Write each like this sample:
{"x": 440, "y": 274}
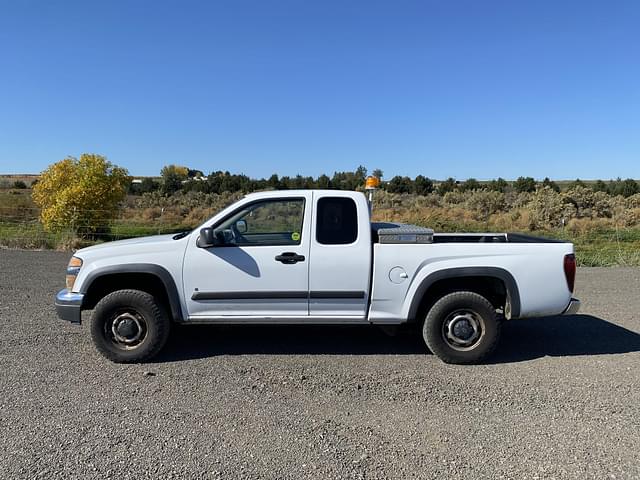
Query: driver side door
{"x": 259, "y": 267}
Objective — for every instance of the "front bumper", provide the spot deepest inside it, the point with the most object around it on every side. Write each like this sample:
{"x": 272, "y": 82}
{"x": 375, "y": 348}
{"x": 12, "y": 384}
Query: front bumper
{"x": 69, "y": 305}
{"x": 572, "y": 308}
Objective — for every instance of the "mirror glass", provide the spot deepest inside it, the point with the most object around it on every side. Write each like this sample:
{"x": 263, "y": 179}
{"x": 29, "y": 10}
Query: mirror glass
{"x": 241, "y": 226}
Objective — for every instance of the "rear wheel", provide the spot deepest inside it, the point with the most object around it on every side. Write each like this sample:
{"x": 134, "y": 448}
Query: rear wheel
{"x": 129, "y": 326}
{"x": 462, "y": 328}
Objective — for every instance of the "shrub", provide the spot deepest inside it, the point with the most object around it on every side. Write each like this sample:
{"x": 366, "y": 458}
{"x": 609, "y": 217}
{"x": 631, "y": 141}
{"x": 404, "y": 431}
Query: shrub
{"x": 485, "y": 203}
{"x": 547, "y": 182}
{"x": 633, "y": 201}
{"x": 83, "y": 194}
{"x": 582, "y": 199}
{"x": 546, "y": 209}
{"x": 603, "y": 205}
{"x": 515, "y": 200}
{"x": 589, "y": 203}
{"x": 455, "y": 197}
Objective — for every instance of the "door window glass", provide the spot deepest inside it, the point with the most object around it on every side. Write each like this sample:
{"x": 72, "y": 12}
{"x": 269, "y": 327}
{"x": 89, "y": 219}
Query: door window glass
{"x": 270, "y": 222}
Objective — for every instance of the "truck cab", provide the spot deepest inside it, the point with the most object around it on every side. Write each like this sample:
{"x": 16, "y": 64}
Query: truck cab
{"x": 280, "y": 255}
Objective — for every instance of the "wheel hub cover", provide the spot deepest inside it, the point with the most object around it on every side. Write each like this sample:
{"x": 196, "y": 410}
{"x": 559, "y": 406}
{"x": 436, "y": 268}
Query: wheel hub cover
{"x": 463, "y": 329}
{"x": 127, "y": 328}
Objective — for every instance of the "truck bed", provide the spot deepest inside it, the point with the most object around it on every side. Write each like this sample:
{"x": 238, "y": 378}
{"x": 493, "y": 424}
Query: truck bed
{"x": 386, "y": 232}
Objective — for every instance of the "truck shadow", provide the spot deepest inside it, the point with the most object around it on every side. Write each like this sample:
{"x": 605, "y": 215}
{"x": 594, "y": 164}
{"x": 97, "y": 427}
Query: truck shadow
{"x": 521, "y": 340}
{"x": 200, "y": 341}
{"x": 563, "y": 336}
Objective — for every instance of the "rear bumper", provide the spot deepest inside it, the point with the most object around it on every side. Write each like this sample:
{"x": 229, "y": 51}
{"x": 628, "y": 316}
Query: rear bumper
{"x": 69, "y": 305}
{"x": 573, "y": 307}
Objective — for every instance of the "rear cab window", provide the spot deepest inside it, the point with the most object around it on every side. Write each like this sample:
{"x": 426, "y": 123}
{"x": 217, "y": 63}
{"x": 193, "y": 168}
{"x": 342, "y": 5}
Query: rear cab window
{"x": 337, "y": 221}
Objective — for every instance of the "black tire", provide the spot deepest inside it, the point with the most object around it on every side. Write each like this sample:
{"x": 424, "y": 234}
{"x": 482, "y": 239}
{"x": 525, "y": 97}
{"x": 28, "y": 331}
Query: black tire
{"x": 462, "y": 328}
{"x": 129, "y": 326}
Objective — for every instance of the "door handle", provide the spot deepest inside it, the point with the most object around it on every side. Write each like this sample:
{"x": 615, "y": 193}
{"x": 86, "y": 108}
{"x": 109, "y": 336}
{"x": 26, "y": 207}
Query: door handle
{"x": 289, "y": 258}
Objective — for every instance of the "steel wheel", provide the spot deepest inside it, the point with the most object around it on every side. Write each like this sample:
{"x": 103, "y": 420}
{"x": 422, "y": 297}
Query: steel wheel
{"x": 463, "y": 329}
{"x": 127, "y": 329}
{"x": 129, "y": 326}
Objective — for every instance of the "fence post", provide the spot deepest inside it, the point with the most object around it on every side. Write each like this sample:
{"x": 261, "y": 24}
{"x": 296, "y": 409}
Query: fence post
{"x": 73, "y": 221}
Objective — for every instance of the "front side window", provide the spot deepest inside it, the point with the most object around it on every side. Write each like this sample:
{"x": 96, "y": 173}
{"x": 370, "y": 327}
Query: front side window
{"x": 337, "y": 221}
{"x": 269, "y": 222}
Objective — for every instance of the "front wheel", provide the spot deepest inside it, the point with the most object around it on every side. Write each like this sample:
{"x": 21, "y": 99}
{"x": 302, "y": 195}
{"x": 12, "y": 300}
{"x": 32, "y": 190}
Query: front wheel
{"x": 129, "y": 326}
{"x": 462, "y": 328}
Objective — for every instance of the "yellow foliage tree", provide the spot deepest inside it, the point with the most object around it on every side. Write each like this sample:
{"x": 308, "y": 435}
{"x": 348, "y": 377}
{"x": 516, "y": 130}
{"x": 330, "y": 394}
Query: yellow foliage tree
{"x": 82, "y": 194}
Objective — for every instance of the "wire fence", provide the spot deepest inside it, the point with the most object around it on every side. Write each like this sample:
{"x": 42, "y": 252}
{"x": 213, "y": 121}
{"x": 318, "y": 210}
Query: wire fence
{"x": 20, "y": 227}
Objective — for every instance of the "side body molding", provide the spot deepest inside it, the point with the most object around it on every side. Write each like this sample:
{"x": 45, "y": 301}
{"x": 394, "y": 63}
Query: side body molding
{"x": 148, "y": 268}
{"x": 513, "y": 294}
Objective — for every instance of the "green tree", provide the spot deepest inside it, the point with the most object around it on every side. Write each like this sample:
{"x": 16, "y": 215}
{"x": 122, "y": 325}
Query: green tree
{"x": 499, "y": 185}
{"x": 149, "y": 185}
{"x": 19, "y": 184}
{"x": 524, "y": 184}
{"x": 285, "y": 183}
{"x": 600, "y": 186}
{"x": 377, "y": 173}
{"x": 422, "y": 185}
{"x": 626, "y": 188}
{"x": 630, "y": 187}
{"x": 399, "y": 184}
{"x": 194, "y": 173}
{"x": 299, "y": 182}
{"x": 470, "y": 184}
{"x": 449, "y": 185}
{"x": 349, "y": 180}
{"x": 172, "y": 178}
{"x": 274, "y": 181}
{"x": 84, "y": 194}
{"x": 323, "y": 181}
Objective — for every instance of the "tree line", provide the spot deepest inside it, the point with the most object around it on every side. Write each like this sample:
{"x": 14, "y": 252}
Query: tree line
{"x": 86, "y": 193}
{"x": 174, "y": 178}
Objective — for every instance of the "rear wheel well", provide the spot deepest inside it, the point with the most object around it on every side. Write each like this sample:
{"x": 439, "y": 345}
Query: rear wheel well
{"x": 491, "y": 288}
{"x": 145, "y": 282}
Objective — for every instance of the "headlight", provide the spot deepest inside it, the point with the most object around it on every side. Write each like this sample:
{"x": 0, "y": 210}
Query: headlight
{"x": 72, "y": 271}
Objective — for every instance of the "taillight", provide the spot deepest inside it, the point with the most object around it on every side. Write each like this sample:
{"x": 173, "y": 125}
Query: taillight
{"x": 570, "y": 270}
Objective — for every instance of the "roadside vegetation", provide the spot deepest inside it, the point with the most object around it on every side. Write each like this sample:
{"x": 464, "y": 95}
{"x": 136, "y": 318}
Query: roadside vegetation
{"x": 601, "y": 217}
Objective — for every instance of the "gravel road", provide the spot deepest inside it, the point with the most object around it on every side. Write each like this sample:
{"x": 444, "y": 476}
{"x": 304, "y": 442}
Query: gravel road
{"x": 561, "y": 399}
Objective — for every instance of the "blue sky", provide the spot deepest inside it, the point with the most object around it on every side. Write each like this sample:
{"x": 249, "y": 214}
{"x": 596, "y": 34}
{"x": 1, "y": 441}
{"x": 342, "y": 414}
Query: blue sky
{"x": 469, "y": 88}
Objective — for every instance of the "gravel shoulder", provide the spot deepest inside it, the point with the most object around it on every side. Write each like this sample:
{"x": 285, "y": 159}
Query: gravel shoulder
{"x": 561, "y": 399}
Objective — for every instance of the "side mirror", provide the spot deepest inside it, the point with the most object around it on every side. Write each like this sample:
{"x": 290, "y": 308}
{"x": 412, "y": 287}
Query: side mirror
{"x": 206, "y": 239}
{"x": 241, "y": 226}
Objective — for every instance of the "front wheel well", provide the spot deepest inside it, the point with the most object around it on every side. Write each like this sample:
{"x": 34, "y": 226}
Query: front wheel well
{"x": 491, "y": 288}
{"x": 108, "y": 283}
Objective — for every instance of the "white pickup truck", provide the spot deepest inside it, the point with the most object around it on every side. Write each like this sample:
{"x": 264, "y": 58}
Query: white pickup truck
{"x": 315, "y": 257}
